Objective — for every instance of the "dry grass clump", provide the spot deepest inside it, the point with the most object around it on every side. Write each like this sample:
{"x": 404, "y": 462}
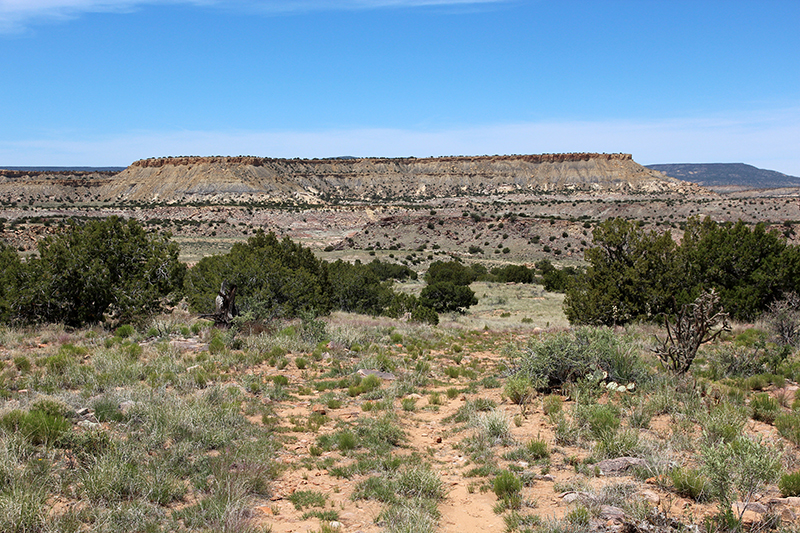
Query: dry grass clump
{"x": 180, "y": 430}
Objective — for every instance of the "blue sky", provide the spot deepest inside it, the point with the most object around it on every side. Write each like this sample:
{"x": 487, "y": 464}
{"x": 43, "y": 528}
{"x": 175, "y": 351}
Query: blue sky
{"x": 106, "y": 82}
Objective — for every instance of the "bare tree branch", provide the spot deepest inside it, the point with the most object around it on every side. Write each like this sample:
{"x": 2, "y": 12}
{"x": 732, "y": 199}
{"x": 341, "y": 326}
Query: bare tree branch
{"x": 694, "y": 326}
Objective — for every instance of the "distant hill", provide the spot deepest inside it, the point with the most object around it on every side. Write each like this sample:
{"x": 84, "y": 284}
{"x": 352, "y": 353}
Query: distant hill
{"x": 728, "y": 175}
{"x": 65, "y": 169}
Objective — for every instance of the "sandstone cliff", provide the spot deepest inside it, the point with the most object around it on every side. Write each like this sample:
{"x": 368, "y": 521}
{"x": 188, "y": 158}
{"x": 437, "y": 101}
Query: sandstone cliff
{"x": 191, "y": 179}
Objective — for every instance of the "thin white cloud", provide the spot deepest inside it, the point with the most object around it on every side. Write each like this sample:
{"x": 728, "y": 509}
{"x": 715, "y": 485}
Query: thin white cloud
{"x": 16, "y": 15}
{"x": 766, "y": 141}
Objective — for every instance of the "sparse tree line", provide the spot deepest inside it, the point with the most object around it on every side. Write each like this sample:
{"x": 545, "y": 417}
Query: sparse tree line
{"x": 115, "y": 268}
{"x": 639, "y": 275}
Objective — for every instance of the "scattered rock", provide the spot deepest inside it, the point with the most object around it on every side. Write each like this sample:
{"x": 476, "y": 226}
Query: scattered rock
{"x": 784, "y": 508}
{"x": 650, "y": 496}
{"x": 383, "y": 375}
{"x": 750, "y": 513}
{"x": 572, "y": 496}
{"x": 620, "y": 464}
{"x": 756, "y": 507}
{"x": 612, "y": 514}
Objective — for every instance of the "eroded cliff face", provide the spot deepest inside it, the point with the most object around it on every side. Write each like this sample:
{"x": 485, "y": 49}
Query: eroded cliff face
{"x": 21, "y": 186}
{"x": 192, "y": 179}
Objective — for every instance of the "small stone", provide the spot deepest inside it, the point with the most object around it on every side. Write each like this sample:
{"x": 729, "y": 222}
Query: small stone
{"x": 83, "y": 412}
{"x": 787, "y": 515}
{"x": 364, "y": 372}
{"x": 753, "y": 507}
{"x": 545, "y": 477}
{"x": 650, "y": 496}
{"x": 609, "y": 512}
{"x": 620, "y": 464}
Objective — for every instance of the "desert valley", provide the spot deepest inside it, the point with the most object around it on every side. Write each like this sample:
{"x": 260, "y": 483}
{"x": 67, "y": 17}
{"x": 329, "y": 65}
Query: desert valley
{"x": 501, "y": 417}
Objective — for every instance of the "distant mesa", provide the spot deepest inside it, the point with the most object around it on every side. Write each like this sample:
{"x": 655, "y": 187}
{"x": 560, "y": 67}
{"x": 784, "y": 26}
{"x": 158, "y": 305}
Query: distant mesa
{"x": 243, "y": 178}
{"x": 185, "y": 179}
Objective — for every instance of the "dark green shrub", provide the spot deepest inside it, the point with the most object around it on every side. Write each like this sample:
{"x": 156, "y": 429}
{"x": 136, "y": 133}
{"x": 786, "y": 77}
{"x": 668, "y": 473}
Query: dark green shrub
{"x": 506, "y": 484}
{"x": 765, "y": 408}
{"x": 691, "y": 483}
{"x": 552, "y": 404}
{"x": 518, "y": 389}
{"x": 724, "y": 422}
{"x": 307, "y": 498}
{"x": 789, "y": 484}
{"x": 107, "y": 410}
{"x": 37, "y": 427}
{"x": 59, "y": 363}
{"x": 788, "y": 425}
{"x": 346, "y": 441}
{"x": 450, "y": 272}
{"x": 105, "y": 265}
{"x": 452, "y": 372}
{"x": 425, "y": 315}
{"x": 50, "y": 407}
{"x": 601, "y": 418}
{"x": 124, "y": 331}
{"x": 514, "y": 274}
{"x": 273, "y": 278}
{"x": 217, "y": 344}
{"x": 445, "y": 296}
{"x": 536, "y": 449}
{"x": 636, "y": 274}
{"x": 22, "y": 363}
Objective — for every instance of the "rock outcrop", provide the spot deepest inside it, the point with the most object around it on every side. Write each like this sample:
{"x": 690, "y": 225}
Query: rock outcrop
{"x": 43, "y": 186}
{"x": 191, "y": 179}
{"x": 176, "y": 180}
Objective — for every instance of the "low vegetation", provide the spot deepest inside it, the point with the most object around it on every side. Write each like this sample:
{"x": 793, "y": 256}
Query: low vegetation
{"x": 333, "y": 401}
